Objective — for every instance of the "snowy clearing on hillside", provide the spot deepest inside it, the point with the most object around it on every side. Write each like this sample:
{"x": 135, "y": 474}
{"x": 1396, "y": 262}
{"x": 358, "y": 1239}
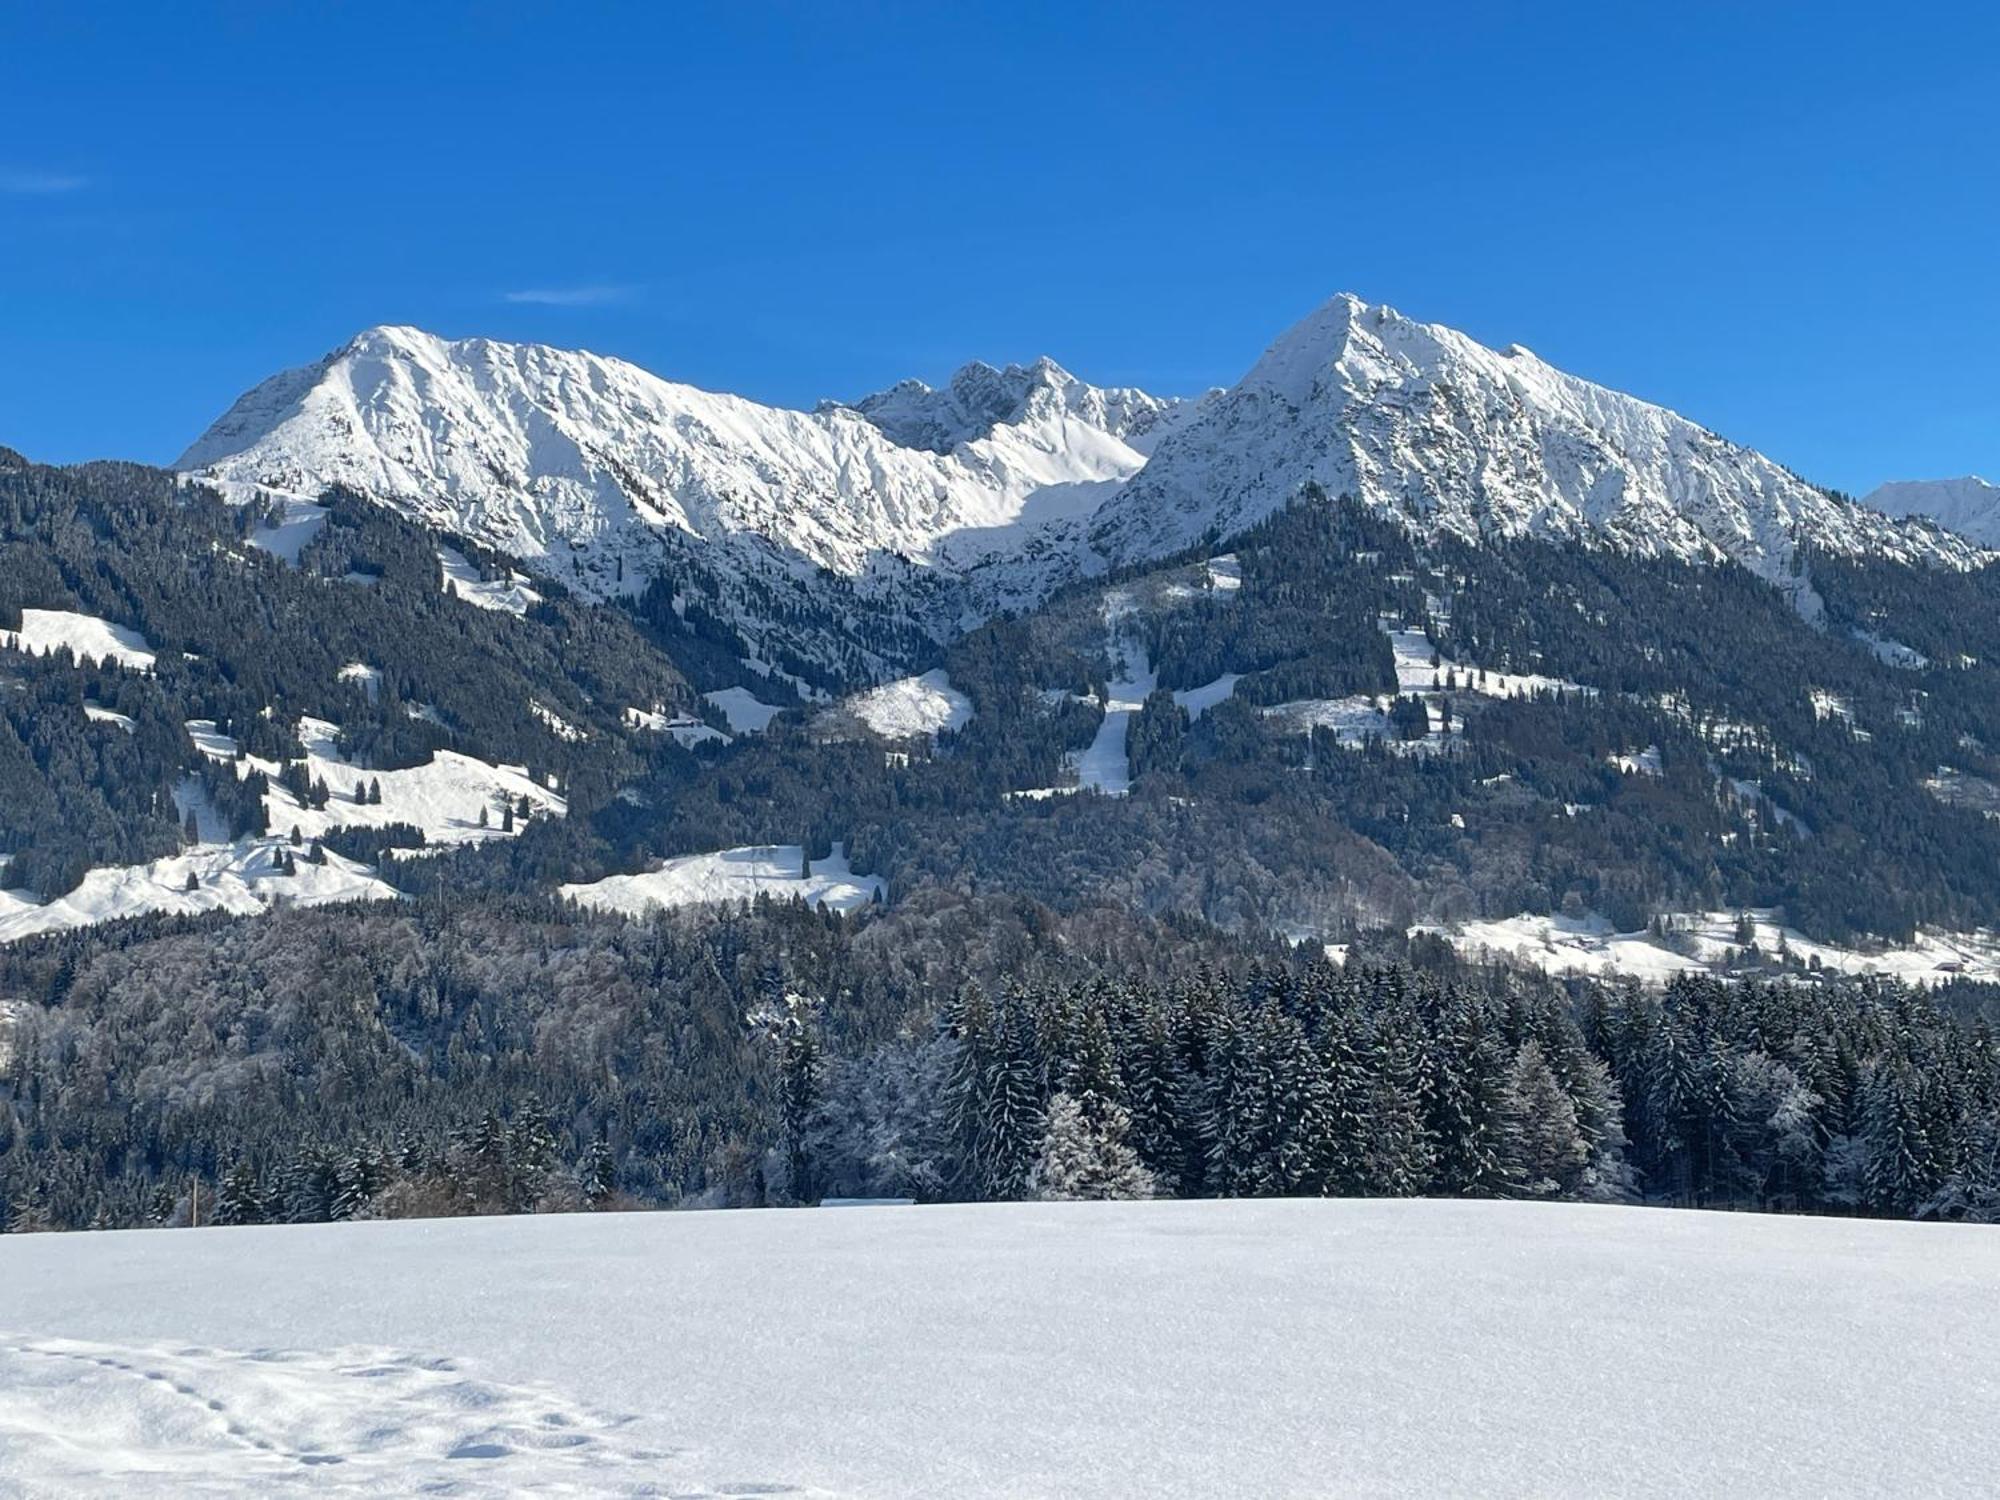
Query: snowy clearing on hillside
{"x": 776, "y": 870}
{"x": 1225, "y": 573}
{"x": 1416, "y": 673}
{"x": 1286, "y": 1348}
{"x": 87, "y": 637}
{"x": 444, "y": 797}
{"x": 1705, "y": 942}
{"x": 100, "y": 715}
{"x": 365, "y": 677}
{"x": 745, "y": 713}
{"x": 1645, "y": 763}
{"x": 1198, "y": 701}
{"x": 299, "y": 521}
{"x": 242, "y": 878}
{"x": 912, "y": 706}
{"x": 511, "y": 594}
{"x": 556, "y": 724}
{"x": 1360, "y": 719}
{"x": 1893, "y": 653}
{"x": 689, "y": 732}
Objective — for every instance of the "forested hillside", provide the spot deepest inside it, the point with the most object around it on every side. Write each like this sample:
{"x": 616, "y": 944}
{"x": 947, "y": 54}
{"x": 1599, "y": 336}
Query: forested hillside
{"x": 1115, "y": 861}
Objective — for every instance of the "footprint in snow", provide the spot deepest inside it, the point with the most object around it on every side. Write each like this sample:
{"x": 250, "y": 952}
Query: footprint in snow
{"x": 343, "y": 1421}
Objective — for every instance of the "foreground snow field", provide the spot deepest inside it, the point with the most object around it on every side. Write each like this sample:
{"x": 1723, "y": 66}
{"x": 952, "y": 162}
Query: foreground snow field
{"x": 1141, "y": 1350}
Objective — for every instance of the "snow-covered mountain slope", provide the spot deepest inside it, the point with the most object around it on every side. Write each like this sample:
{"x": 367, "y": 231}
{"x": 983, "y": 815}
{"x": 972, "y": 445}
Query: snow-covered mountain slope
{"x": 1424, "y": 423}
{"x": 1005, "y": 482}
{"x": 556, "y": 456}
{"x": 1290, "y": 1348}
{"x": 1967, "y": 505}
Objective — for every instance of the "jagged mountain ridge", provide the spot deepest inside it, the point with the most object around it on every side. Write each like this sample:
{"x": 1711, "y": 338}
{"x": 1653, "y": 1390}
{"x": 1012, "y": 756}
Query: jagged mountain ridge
{"x": 564, "y": 457}
{"x": 1005, "y": 482}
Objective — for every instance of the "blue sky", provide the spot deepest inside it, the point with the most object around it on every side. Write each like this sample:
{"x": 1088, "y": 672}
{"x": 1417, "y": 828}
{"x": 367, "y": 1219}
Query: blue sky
{"x": 1784, "y": 221}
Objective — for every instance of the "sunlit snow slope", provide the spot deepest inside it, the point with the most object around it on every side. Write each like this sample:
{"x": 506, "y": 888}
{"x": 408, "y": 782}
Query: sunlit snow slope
{"x": 1148, "y": 1351}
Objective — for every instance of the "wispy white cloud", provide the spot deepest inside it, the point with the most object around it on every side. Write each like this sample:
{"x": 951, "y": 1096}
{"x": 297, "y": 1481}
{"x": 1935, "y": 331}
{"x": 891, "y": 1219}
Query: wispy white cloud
{"x": 594, "y": 294}
{"x": 18, "y": 180}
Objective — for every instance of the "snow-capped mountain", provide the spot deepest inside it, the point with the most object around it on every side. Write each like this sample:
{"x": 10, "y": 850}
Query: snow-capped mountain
{"x": 1967, "y": 505}
{"x": 1431, "y": 426}
{"x": 1010, "y": 480}
{"x": 553, "y": 455}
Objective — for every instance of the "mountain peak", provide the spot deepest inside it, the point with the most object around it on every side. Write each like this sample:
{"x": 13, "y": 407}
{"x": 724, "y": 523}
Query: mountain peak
{"x": 1448, "y": 435}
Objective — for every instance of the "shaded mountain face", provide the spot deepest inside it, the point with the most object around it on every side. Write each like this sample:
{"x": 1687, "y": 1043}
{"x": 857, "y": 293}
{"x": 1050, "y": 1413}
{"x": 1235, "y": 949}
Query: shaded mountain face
{"x": 1967, "y": 505}
{"x": 1007, "y": 482}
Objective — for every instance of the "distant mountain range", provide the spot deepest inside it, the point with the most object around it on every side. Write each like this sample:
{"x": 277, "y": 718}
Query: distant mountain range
{"x": 1006, "y": 482}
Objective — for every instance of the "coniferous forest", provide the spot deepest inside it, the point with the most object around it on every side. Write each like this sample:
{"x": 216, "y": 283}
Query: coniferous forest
{"x": 504, "y": 1057}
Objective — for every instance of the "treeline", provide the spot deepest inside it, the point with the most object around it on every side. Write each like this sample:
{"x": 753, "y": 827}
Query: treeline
{"x": 1388, "y": 1081}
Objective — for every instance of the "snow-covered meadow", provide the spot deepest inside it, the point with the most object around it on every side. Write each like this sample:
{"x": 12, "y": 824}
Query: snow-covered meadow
{"x": 241, "y": 878}
{"x": 776, "y": 870}
{"x": 1146, "y": 1351}
{"x": 87, "y": 638}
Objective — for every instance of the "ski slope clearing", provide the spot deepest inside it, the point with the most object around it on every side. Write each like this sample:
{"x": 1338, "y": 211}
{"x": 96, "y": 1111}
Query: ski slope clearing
{"x": 912, "y": 706}
{"x": 1117, "y": 1351}
{"x": 1701, "y": 942}
{"x": 241, "y": 878}
{"x": 776, "y": 870}
{"x": 86, "y": 636}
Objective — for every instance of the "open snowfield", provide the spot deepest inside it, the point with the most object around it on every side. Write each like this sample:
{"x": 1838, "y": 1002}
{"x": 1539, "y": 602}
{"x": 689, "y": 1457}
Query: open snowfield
{"x": 88, "y": 638}
{"x": 1267, "y": 1349}
{"x": 775, "y": 870}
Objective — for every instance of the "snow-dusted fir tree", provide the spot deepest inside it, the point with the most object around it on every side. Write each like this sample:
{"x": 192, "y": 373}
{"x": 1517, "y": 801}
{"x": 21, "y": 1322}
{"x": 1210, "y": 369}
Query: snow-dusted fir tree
{"x": 1011, "y": 1133}
{"x": 1547, "y": 1149}
{"x": 1086, "y": 1158}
